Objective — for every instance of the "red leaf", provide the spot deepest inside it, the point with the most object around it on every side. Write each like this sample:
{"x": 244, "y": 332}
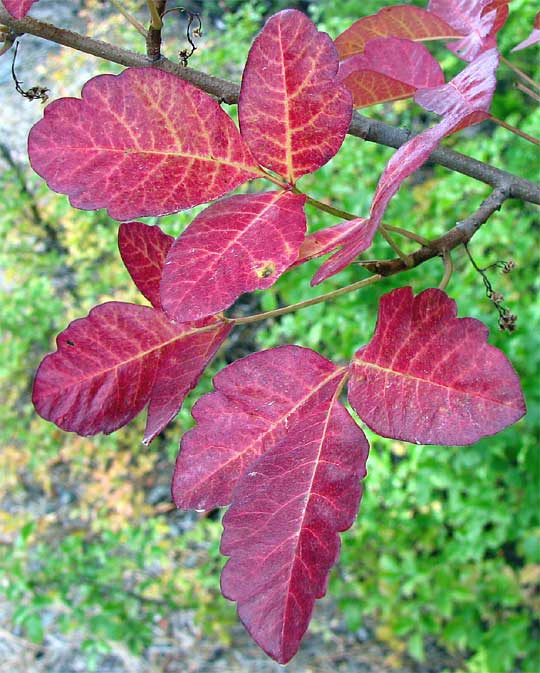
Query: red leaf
{"x": 464, "y": 101}
{"x": 389, "y": 69}
{"x": 326, "y": 240}
{"x": 255, "y": 401}
{"x": 281, "y": 529}
{"x": 240, "y": 244}
{"x": 18, "y": 8}
{"x": 413, "y": 23}
{"x": 477, "y": 20}
{"x": 140, "y": 143}
{"x": 430, "y": 378}
{"x": 534, "y": 37}
{"x": 143, "y": 249}
{"x": 358, "y": 240}
{"x": 293, "y": 113}
{"x": 109, "y": 365}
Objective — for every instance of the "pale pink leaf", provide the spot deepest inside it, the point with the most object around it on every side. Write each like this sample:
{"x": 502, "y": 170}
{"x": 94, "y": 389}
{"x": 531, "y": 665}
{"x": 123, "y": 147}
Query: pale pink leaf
{"x": 19, "y": 8}
{"x": 464, "y": 101}
{"x": 477, "y": 20}
{"x": 239, "y": 244}
{"x": 534, "y": 37}
{"x": 326, "y": 240}
{"x": 281, "y": 531}
{"x": 143, "y": 249}
{"x": 140, "y": 143}
{"x": 412, "y": 23}
{"x": 112, "y": 363}
{"x": 389, "y": 69}
{"x": 430, "y": 378}
{"x": 256, "y": 399}
{"x": 293, "y": 112}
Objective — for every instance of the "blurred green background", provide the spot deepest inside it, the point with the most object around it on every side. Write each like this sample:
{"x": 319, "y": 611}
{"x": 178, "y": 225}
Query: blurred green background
{"x": 446, "y": 549}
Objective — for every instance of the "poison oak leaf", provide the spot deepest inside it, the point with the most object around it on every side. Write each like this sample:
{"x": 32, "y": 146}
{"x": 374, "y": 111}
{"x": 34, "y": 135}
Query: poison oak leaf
{"x": 111, "y": 364}
{"x": 477, "y": 20}
{"x": 293, "y": 112}
{"x": 464, "y": 101}
{"x": 281, "y": 531}
{"x": 326, "y": 240}
{"x": 534, "y": 37}
{"x": 239, "y": 244}
{"x": 430, "y": 378}
{"x": 256, "y": 400}
{"x": 19, "y": 8}
{"x": 412, "y": 23}
{"x": 144, "y": 249}
{"x": 140, "y": 143}
{"x": 390, "y": 68}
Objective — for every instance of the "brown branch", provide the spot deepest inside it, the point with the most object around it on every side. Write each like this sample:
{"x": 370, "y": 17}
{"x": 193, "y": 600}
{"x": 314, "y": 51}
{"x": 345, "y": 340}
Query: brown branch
{"x": 153, "y": 37}
{"x": 458, "y": 235}
{"x": 227, "y": 92}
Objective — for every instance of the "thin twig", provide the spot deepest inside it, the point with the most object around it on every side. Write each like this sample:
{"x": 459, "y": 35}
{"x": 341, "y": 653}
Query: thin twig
{"x": 153, "y": 37}
{"x": 458, "y": 235}
{"x": 514, "y": 130}
{"x": 408, "y": 234}
{"x": 363, "y": 127}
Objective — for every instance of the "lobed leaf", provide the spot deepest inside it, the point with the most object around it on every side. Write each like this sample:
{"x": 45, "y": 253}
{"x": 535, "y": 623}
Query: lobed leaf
{"x": 464, "y": 101}
{"x": 389, "y": 69}
{"x": 412, "y": 23}
{"x": 293, "y": 112}
{"x": 239, "y": 244}
{"x": 281, "y": 531}
{"x": 143, "y": 249}
{"x": 430, "y": 378}
{"x": 19, "y": 8}
{"x": 477, "y": 20}
{"x": 255, "y": 401}
{"x": 111, "y": 364}
{"x": 534, "y": 37}
{"x": 138, "y": 144}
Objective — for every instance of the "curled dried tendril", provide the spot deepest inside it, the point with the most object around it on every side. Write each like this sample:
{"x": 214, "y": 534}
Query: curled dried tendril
{"x": 35, "y": 92}
{"x": 507, "y": 319}
{"x": 192, "y": 31}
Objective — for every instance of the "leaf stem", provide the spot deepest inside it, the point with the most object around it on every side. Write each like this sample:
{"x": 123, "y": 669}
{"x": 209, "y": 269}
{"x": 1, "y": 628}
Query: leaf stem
{"x": 395, "y": 247}
{"x": 448, "y": 270}
{"x": 308, "y": 302}
{"x": 129, "y": 17}
{"x": 156, "y": 20}
{"x": 520, "y": 73}
{"x": 409, "y": 234}
{"x": 528, "y": 91}
{"x": 325, "y": 207}
{"x": 514, "y": 130}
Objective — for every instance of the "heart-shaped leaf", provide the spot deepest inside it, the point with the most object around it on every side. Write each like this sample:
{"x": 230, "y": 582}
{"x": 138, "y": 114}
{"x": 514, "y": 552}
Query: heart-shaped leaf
{"x": 477, "y": 20}
{"x": 293, "y": 112}
{"x": 119, "y": 358}
{"x": 390, "y": 68}
{"x": 464, "y": 101}
{"x": 140, "y": 143}
{"x": 144, "y": 249}
{"x": 429, "y": 377}
{"x": 281, "y": 531}
{"x": 412, "y": 23}
{"x": 255, "y": 401}
{"x": 239, "y": 244}
{"x": 19, "y": 8}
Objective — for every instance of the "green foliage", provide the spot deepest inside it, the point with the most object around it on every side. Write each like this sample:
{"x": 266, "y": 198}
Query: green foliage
{"x": 447, "y": 544}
